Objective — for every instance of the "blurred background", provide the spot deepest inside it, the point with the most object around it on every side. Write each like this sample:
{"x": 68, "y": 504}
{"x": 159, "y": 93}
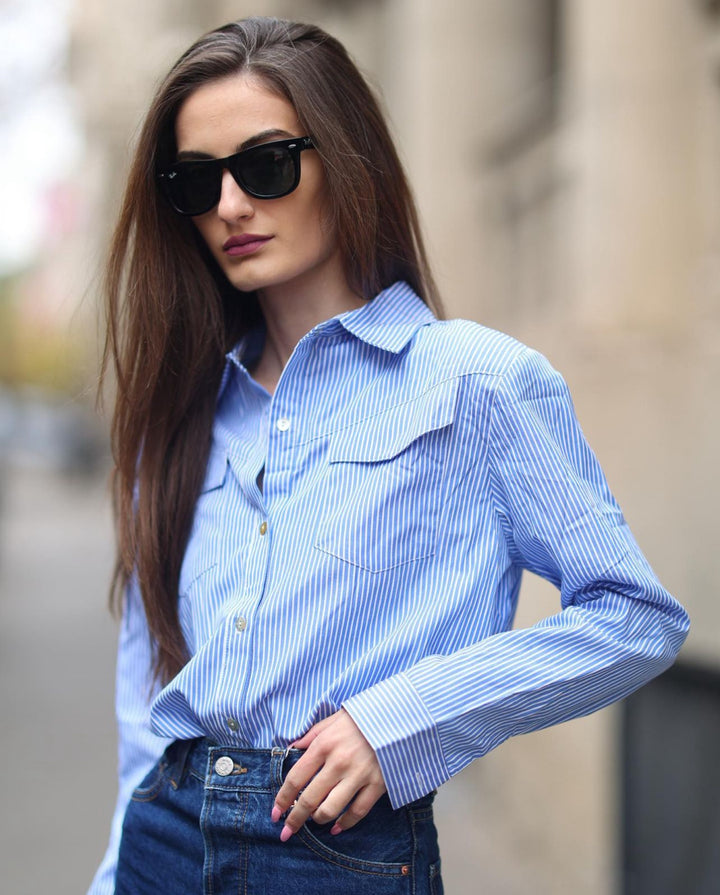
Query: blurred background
{"x": 566, "y": 160}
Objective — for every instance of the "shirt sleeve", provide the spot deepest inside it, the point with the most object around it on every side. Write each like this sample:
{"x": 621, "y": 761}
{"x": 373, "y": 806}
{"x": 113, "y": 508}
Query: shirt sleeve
{"x": 138, "y": 747}
{"x": 617, "y": 627}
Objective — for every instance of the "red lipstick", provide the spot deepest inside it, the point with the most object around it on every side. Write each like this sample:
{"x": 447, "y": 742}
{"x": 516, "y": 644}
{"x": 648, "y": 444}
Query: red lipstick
{"x": 245, "y": 244}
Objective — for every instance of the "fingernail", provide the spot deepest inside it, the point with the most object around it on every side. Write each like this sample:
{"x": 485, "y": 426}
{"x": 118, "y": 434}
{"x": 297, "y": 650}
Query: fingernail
{"x": 336, "y": 829}
{"x": 286, "y": 833}
{"x": 275, "y": 814}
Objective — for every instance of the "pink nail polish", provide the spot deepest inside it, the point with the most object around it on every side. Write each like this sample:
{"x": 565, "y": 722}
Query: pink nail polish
{"x": 275, "y": 814}
{"x": 336, "y": 829}
{"x": 286, "y": 833}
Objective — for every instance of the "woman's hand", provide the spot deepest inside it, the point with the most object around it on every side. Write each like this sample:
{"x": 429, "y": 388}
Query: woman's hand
{"x": 338, "y": 771}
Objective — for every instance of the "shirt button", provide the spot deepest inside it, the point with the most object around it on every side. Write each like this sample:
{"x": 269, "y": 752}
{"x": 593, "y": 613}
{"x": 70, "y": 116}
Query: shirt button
{"x": 283, "y": 424}
{"x": 240, "y": 624}
{"x": 224, "y": 766}
{"x": 233, "y": 725}
{"x": 263, "y": 528}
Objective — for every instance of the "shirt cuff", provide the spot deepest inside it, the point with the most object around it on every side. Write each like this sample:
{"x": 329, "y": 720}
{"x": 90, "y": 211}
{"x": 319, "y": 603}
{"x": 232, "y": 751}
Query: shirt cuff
{"x": 398, "y": 726}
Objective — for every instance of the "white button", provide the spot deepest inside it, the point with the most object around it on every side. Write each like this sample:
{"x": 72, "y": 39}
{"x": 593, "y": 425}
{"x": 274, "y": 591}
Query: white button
{"x": 283, "y": 424}
{"x": 224, "y": 766}
{"x": 232, "y": 724}
{"x": 240, "y": 624}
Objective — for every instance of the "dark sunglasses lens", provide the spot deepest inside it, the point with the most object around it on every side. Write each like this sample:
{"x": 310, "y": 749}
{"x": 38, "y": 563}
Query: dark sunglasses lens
{"x": 266, "y": 171}
{"x": 194, "y": 188}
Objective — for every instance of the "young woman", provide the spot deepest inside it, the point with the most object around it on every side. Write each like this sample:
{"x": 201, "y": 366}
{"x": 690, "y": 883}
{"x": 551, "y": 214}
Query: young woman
{"x": 325, "y": 498}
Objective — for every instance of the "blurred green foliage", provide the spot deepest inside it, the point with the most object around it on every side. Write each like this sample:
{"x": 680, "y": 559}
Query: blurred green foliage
{"x": 51, "y": 355}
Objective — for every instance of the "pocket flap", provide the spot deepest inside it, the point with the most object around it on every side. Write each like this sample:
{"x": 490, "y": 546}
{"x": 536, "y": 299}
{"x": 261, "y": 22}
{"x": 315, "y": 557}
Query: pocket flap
{"x": 386, "y": 434}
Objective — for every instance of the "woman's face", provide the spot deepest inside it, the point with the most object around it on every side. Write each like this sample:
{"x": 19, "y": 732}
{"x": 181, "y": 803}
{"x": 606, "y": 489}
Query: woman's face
{"x": 294, "y": 245}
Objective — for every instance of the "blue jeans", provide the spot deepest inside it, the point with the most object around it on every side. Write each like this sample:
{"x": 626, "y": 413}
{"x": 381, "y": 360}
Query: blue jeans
{"x": 200, "y": 823}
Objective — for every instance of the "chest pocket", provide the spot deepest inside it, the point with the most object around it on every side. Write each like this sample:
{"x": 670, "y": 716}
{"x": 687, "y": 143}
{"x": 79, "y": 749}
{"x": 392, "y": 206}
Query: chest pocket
{"x": 386, "y": 483}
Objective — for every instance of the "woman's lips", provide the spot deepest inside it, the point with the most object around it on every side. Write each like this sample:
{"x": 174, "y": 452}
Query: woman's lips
{"x": 245, "y": 244}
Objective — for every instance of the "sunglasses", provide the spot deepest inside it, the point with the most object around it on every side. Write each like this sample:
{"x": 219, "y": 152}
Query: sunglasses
{"x": 266, "y": 171}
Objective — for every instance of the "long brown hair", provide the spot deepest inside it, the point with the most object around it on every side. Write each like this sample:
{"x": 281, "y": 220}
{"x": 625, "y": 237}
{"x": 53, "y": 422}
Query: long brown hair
{"x": 172, "y": 316}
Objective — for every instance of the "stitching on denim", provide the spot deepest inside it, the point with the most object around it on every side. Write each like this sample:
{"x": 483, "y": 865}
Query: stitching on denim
{"x": 244, "y": 849}
{"x": 422, "y": 813}
{"x": 150, "y": 793}
{"x": 208, "y": 885}
{"x": 179, "y": 766}
{"x": 372, "y": 868}
{"x": 413, "y": 820}
{"x": 235, "y": 784}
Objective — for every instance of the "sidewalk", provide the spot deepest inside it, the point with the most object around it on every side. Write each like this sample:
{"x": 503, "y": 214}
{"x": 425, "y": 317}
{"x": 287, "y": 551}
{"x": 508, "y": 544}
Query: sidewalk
{"x": 57, "y": 655}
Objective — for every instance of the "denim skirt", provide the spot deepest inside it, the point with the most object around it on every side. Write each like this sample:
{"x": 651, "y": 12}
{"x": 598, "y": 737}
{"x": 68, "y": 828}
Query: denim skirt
{"x": 200, "y": 823}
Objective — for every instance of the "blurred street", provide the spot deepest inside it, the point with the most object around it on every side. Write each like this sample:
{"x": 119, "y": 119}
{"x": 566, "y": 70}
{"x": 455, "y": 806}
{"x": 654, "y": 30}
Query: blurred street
{"x": 57, "y": 646}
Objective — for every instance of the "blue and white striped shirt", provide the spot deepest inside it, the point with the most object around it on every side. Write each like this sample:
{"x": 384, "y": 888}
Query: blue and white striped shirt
{"x": 359, "y": 542}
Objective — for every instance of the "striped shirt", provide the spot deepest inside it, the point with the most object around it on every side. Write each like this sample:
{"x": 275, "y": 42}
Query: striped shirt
{"x": 359, "y": 541}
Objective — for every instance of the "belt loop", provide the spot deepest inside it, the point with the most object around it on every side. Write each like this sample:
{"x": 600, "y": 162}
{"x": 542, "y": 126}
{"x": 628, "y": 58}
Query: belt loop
{"x": 182, "y": 752}
{"x": 278, "y": 757}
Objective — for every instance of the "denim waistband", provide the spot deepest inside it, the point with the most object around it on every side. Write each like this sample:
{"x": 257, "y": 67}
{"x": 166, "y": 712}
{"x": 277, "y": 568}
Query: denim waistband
{"x": 230, "y": 767}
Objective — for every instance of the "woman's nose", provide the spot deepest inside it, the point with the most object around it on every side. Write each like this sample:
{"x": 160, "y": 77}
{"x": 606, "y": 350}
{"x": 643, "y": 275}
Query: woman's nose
{"x": 234, "y": 201}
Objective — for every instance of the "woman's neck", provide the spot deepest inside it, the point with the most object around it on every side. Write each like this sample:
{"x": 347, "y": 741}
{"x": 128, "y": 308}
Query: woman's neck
{"x": 290, "y": 313}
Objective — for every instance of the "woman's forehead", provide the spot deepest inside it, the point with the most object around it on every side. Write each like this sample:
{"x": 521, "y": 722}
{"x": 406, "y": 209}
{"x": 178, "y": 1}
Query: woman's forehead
{"x": 225, "y": 113}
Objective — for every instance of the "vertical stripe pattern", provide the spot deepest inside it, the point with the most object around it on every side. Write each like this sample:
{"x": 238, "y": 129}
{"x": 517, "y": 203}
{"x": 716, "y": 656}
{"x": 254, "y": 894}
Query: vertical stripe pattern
{"x": 411, "y": 469}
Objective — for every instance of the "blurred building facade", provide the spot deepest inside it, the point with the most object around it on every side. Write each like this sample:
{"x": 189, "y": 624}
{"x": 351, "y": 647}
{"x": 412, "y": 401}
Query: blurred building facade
{"x": 565, "y": 160}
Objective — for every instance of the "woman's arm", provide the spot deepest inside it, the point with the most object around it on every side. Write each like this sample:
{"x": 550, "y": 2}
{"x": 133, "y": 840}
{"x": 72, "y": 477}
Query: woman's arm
{"x": 617, "y": 627}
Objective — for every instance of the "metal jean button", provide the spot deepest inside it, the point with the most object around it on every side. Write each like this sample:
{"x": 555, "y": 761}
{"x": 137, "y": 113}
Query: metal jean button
{"x": 224, "y": 766}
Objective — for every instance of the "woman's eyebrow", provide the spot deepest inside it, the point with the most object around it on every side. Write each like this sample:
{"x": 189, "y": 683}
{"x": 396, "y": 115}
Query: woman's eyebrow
{"x": 263, "y": 137}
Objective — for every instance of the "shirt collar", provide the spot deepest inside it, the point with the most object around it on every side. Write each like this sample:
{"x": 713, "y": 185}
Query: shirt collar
{"x": 388, "y": 322}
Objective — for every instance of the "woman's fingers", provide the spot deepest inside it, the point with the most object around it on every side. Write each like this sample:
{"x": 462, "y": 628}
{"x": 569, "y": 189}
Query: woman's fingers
{"x": 305, "y": 769}
{"x": 358, "y": 808}
{"x": 321, "y": 802}
{"x": 338, "y": 766}
{"x": 316, "y": 729}
{"x": 295, "y": 782}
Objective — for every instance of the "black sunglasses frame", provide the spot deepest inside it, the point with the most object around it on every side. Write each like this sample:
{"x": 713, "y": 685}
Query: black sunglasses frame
{"x": 234, "y": 164}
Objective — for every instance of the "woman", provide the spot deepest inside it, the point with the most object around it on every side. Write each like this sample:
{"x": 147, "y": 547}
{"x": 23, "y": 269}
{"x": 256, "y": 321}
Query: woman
{"x": 325, "y": 498}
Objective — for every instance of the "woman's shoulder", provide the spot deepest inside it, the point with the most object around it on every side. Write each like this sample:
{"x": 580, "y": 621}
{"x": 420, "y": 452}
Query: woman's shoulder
{"x": 464, "y": 347}
{"x": 485, "y": 362}
{"x": 436, "y": 350}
